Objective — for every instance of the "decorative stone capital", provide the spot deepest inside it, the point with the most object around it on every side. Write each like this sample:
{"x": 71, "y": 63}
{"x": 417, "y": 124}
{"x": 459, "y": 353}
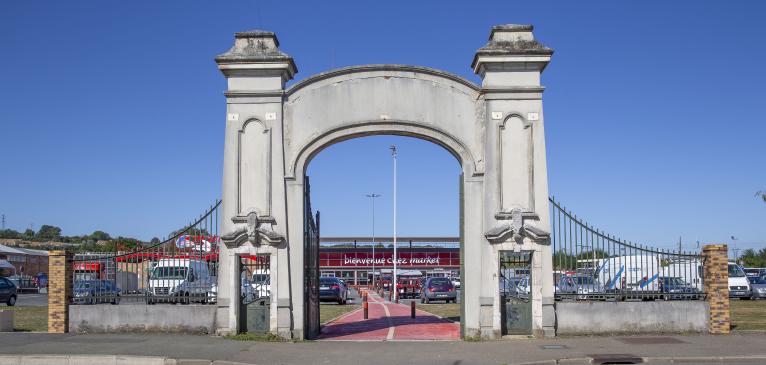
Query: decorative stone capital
{"x": 513, "y": 223}
{"x": 253, "y": 228}
{"x": 512, "y": 48}
{"x": 256, "y": 53}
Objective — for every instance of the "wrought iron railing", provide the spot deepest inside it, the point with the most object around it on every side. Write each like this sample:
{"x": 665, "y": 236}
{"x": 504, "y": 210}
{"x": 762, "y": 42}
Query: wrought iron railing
{"x": 181, "y": 269}
{"x": 590, "y": 264}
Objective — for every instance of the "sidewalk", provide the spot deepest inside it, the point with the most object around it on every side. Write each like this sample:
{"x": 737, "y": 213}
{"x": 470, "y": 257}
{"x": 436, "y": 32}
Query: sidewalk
{"x": 388, "y": 352}
{"x": 389, "y": 321}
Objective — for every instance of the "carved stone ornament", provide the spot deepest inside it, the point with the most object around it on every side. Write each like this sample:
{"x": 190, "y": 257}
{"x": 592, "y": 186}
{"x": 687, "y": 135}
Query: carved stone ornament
{"x": 254, "y": 229}
{"x": 514, "y": 222}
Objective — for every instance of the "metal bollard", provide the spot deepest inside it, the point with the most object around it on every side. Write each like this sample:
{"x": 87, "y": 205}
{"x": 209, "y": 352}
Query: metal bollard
{"x": 366, "y": 306}
{"x": 390, "y": 295}
{"x": 412, "y": 309}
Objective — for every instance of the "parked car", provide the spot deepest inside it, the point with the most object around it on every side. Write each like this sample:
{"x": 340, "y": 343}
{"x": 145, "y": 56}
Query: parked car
{"x": 180, "y": 280}
{"x": 95, "y": 291}
{"x": 676, "y": 288}
{"x": 7, "y": 292}
{"x": 456, "y": 282}
{"x": 579, "y": 285}
{"x": 332, "y": 289}
{"x": 758, "y": 286}
{"x": 509, "y": 286}
{"x": 739, "y": 287}
{"x": 408, "y": 287}
{"x": 524, "y": 288}
{"x": 438, "y": 289}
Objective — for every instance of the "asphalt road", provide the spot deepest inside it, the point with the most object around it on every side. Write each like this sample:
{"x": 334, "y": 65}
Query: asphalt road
{"x": 31, "y": 300}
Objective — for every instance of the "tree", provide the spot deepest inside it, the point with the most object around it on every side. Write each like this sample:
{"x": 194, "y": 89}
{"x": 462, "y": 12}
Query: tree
{"x": 761, "y": 194}
{"x": 29, "y": 233}
{"x": 47, "y": 232}
{"x": 155, "y": 240}
{"x": 100, "y": 236}
{"x": 9, "y": 233}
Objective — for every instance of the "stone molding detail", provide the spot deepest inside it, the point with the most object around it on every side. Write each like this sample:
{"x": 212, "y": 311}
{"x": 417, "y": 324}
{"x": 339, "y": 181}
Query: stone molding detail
{"x": 514, "y": 222}
{"x": 252, "y": 228}
{"x": 716, "y": 277}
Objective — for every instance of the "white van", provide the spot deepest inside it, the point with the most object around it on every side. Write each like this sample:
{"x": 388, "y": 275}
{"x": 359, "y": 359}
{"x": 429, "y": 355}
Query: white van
{"x": 739, "y": 286}
{"x": 180, "y": 280}
{"x": 632, "y": 272}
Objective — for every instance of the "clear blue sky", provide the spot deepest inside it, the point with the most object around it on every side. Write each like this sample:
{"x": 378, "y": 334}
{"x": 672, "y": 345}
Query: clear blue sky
{"x": 112, "y": 113}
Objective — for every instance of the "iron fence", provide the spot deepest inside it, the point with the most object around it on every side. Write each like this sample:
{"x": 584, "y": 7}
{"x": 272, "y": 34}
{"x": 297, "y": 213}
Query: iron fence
{"x": 182, "y": 269}
{"x": 590, "y": 264}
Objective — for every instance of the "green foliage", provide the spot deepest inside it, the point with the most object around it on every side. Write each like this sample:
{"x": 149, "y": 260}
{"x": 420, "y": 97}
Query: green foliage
{"x": 751, "y": 258}
{"x": 9, "y": 233}
{"x": 566, "y": 261}
{"x": 266, "y": 337}
{"x": 100, "y": 236}
{"x": 47, "y": 232}
{"x": 761, "y": 194}
{"x": 28, "y": 234}
{"x": 155, "y": 240}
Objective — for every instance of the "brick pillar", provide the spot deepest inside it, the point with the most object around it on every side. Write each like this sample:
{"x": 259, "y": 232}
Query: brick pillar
{"x": 60, "y": 278}
{"x": 716, "y": 275}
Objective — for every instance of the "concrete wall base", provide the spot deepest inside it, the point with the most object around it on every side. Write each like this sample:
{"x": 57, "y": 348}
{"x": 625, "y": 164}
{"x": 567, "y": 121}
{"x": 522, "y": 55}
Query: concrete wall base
{"x": 6, "y": 321}
{"x": 597, "y": 318}
{"x": 200, "y": 319}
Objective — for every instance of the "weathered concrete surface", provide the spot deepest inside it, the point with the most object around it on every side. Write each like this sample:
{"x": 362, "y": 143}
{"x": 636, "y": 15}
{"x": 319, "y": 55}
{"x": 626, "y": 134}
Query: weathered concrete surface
{"x": 631, "y": 317}
{"x": 495, "y": 130}
{"x": 6, "y": 321}
{"x": 142, "y": 318}
{"x": 701, "y": 348}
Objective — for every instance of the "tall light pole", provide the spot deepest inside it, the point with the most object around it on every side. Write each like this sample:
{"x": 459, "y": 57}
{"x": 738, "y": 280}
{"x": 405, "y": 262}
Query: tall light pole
{"x": 372, "y": 197}
{"x": 396, "y": 258}
{"x": 735, "y": 249}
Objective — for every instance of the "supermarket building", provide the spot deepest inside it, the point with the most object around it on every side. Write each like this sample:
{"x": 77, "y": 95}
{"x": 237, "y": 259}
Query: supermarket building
{"x": 353, "y": 260}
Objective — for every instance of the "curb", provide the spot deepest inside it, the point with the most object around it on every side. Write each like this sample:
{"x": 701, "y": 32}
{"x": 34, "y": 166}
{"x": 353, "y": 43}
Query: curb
{"x": 649, "y": 360}
{"x": 106, "y": 360}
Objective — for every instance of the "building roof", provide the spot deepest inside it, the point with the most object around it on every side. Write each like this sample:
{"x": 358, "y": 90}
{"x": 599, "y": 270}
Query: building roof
{"x": 22, "y": 251}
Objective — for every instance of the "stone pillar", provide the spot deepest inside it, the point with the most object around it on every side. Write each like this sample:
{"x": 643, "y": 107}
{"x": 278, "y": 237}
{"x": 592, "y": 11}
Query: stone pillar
{"x": 256, "y": 71}
{"x": 60, "y": 276}
{"x": 716, "y": 276}
{"x": 516, "y": 181}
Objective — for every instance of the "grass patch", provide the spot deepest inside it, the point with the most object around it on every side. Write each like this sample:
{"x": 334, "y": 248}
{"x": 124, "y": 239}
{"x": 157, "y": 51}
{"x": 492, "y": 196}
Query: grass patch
{"x": 450, "y": 311}
{"x": 330, "y": 311}
{"x": 29, "y": 319}
{"x": 748, "y": 315}
{"x": 261, "y": 337}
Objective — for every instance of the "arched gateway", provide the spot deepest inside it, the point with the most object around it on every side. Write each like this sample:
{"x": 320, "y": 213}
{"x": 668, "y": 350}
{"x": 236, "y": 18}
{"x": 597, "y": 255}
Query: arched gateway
{"x": 494, "y": 129}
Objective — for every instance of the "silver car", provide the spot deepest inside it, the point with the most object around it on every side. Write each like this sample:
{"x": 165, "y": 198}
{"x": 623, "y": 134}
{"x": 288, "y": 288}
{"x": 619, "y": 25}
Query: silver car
{"x": 579, "y": 286}
{"x": 758, "y": 286}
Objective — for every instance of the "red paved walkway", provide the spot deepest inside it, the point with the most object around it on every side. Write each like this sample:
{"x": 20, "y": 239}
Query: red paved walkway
{"x": 389, "y": 321}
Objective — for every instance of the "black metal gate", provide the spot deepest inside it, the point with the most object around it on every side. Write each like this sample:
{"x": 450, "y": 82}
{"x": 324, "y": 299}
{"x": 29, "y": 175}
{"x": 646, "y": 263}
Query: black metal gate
{"x": 516, "y": 292}
{"x": 255, "y": 293}
{"x": 310, "y": 265}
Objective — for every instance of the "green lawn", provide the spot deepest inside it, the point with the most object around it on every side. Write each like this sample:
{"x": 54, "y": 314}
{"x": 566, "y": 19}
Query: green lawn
{"x": 450, "y": 311}
{"x": 330, "y": 311}
{"x": 748, "y": 315}
{"x": 28, "y": 319}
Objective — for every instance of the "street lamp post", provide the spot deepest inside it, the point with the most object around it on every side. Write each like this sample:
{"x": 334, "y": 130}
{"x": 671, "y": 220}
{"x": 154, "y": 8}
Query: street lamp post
{"x": 372, "y": 197}
{"x": 735, "y": 249}
{"x": 396, "y": 257}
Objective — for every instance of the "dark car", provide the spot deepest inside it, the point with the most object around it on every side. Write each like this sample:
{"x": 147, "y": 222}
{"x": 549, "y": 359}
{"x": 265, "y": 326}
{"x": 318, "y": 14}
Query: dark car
{"x": 676, "y": 288}
{"x": 7, "y": 292}
{"x": 758, "y": 286}
{"x": 332, "y": 290}
{"x": 95, "y": 291}
{"x": 438, "y": 289}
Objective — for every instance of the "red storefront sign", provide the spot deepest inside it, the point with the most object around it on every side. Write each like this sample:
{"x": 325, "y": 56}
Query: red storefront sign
{"x": 383, "y": 259}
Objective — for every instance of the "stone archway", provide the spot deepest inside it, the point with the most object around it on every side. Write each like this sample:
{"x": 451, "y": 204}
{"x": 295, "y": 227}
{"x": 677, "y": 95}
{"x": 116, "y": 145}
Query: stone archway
{"x": 495, "y": 130}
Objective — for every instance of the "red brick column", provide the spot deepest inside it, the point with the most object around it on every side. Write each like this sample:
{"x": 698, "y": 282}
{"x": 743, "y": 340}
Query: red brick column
{"x": 60, "y": 276}
{"x": 716, "y": 272}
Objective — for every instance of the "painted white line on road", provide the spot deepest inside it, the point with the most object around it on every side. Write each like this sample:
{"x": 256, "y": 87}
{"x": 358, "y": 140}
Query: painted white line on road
{"x": 391, "y": 328}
